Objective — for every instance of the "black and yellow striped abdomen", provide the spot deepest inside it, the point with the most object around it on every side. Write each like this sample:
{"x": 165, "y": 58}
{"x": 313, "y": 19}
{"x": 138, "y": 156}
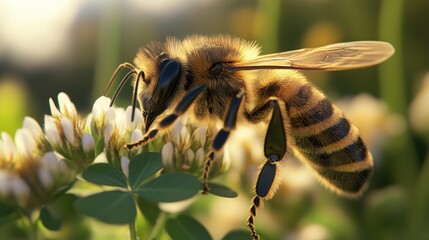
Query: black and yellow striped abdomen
{"x": 327, "y": 141}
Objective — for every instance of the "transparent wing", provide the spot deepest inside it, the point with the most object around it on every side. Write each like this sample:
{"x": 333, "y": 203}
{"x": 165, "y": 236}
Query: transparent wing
{"x": 339, "y": 56}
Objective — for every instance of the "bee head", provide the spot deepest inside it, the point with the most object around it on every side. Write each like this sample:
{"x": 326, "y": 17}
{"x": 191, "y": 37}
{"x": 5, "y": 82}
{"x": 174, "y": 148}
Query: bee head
{"x": 156, "y": 96}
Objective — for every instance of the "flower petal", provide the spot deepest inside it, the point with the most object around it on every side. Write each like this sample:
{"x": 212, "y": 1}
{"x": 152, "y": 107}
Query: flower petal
{"x": 24, "y": 141}
{"x": 87, "y": 142}
{"x": 51, "y": 131}
{"x": 66, "y": 106}
{"x": 33, "y": 126}
{"x": 125, "y": 162}
{"x": 68, "y": 129}
{"x": 167, "y": 154}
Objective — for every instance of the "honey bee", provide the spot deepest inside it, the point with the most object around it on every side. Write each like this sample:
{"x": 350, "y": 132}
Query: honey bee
{"x": 223, "y": 78}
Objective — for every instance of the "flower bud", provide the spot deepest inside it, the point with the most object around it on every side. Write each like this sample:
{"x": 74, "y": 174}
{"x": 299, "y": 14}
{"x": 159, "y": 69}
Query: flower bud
{"x": 167, "y": 153}
{"x": 200, "y": 156}
{"x": 136, "y": 135}
{"x": 125, "y": 162}
{"x": 24, "y": 141}
{"x": 190, "y": 155}
{"x": 67, "y": 108}
{"x": 20, "y": 190}
{"x": 51, "y": 131}
{"x": 68, "y": 129}
{"x": 54, "y": 110}
{"x": 33, "y": 126}
{"x": 108, "y": 133}
{"x": 200, "y": 135}
{"x": 87, "y": 143}
{"x": 45, "y": 177}
{"x": 9, "y": 147}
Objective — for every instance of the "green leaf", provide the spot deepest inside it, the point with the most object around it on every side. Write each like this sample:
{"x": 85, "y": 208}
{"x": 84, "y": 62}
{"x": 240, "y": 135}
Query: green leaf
{"x": 150, "y": 210}
{"x": 143, "y": 166}
{"x": 221, "y": 191}
{"x": 185, "y": 227}
{"x": 170, "y": 187}
{"x": 238, "y": 234}
{"x": 7, "y": 213}
{"x": 49, "y": 221}
{"x": 105, "y": 174}
{"x": 115, "y": 207}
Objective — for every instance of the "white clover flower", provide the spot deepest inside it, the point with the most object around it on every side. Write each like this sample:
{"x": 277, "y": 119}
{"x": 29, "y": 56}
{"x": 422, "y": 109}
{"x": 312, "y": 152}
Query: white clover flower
{"x": 45, "y": 178}
{"x": 24, "y": 141}
{"x": 200, "y": 135}
{"x": 167, "y": 153}
{"x": 108, "y": 133}
{"x": 184, "y": 136}
{"x": 20, "y": 190}
{"x": 176, "y": 131}
{"x": 5, "y": 187}
{"x": 200, "y": 156}
{"x": 67, "y": 108}
{"x": 125, "y": 162}
{"x": 101, "y": 158}
{"x": 8, "y": 146}
{"x": 51, "y": 131}
{"x": 138, "y": 118}
{"x": 109, "y": 116}
{"x": 68, "y": 129}
{"x": 87, "y": 142}
{"x": 190, "y": 155}
{"x": 33, "y": 126}
{"x": 136, "y": 135}
{"x": 54, "y": 109}
{"x": 101, "y": 105}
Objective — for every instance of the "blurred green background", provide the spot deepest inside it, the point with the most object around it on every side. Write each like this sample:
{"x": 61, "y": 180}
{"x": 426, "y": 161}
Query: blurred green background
{"x": 74, "y": 46}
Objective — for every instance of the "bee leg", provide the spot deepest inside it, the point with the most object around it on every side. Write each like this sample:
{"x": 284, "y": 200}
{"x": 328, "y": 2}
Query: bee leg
{"x": 221, "y": 137}
{"x": 275, "y": 147}
{"x": 167, "y": 121}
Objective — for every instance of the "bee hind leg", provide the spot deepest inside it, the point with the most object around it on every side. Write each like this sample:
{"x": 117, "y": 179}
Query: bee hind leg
{"x": 168, "y": 120}
{"x": 222, "y": 136}
{"x": 275, "y": 147}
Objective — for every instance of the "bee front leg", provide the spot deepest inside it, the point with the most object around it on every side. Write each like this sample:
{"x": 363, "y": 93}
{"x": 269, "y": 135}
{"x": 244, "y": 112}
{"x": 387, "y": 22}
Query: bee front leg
{"x": 275, "y": 147}
{"x": 168, "y": 120}
{"x": 221, "y": 137}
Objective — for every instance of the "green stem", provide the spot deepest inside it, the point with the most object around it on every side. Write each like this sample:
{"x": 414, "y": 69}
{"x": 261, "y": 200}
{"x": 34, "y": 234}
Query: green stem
{"x": 402, "y": 153}
{"x": 419, "y": 208}
{"x": 31, "y": 226}
{"x": 132, "y": 228}
{"x": 159, "y": 225}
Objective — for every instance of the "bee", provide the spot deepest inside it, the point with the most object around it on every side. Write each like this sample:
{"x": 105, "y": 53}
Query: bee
{"x": 224, "y": 80}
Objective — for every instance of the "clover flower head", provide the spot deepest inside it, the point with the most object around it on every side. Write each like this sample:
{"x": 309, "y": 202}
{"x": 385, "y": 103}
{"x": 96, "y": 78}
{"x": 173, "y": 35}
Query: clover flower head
{"x": 186, "y": 149}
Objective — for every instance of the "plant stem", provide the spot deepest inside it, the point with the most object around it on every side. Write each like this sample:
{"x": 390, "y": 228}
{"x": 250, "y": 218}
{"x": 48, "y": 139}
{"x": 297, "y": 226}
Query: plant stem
{"x": 132, "y": 228}
{"x": 32, "y": 226}
{"x": 419, "y": 209}
{"x": 402, "y": 153}
{"x": 159, "y": 225}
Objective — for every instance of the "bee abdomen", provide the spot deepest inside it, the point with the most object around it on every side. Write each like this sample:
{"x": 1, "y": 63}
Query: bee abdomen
{"x": 327, "y": 141}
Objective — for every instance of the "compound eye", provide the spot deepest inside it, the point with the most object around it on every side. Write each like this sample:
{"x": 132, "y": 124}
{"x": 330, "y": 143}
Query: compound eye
{"x": 167, "y": 82}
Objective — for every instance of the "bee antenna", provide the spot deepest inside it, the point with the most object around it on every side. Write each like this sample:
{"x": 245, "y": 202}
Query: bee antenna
{"x": 121, "y": 85}
{"x": 119, "y": 68}
{"x": 136, "y": 89}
